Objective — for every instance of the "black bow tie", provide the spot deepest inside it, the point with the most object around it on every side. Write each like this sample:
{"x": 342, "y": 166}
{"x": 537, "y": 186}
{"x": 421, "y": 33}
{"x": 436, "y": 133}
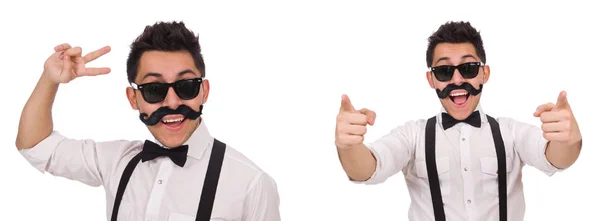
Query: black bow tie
{"x": 152, "y": 150}
{"x": 448, "y": 121}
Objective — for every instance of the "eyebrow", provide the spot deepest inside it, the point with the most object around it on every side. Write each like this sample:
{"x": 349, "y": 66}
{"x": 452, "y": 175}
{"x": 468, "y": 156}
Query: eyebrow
{"x": 447, "y": 58}
{"x": 158, "y": 75}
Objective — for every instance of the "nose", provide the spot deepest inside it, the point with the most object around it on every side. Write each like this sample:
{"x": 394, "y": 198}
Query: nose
{"x": 457, "y": 78}
{"x": 172, "y": 100}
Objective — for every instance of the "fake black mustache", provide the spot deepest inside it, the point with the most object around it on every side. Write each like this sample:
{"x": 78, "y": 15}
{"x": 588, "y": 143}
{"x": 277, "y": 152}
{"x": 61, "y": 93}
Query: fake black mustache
{"x": 468, "y": 87}
{"x": 157, "y": 115}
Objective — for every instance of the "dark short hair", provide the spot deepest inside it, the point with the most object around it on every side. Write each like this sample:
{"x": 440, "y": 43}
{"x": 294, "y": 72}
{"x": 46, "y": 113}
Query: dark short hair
{"x": 455, "y": 32}
{"x": 164, "y": 36}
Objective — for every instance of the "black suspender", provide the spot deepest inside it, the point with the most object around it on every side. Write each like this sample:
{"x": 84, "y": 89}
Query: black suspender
{"x": 211, "y": 180}
{"x": 123, "y": 183}
{"x": 209, "y": 189}
{"x": 434, "y": 183}
{"x": 432, "y": 174}
{"x": 501, "y": 155}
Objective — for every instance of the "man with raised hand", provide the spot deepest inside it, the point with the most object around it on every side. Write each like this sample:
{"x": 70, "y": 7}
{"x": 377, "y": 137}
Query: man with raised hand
{"x": 184, "y": 174}
{"x": 460, "y": 164}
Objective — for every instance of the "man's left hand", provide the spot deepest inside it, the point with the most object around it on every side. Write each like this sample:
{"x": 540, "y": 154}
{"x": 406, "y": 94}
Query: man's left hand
{"x": 558, "y": 122}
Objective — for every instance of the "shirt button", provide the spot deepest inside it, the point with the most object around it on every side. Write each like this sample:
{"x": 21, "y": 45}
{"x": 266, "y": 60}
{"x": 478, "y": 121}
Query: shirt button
{"x": 463, "y": 139}
{"x": 466, "y": 169}
{"x": 469, "y": 201}
{"x": 159, "y": 181}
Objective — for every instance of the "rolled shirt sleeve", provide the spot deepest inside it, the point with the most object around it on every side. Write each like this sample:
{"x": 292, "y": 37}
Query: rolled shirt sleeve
{"x": 531, "y": 146}
{"x": 262, "y": 202}
{"x": 39, "y": 155}
{"x": 392, "y": 152}
{"x": 83, "y": 160}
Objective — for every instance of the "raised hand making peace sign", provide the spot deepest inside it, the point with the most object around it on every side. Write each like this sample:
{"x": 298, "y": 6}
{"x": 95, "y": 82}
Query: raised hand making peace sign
{"x": 66, "y": 63}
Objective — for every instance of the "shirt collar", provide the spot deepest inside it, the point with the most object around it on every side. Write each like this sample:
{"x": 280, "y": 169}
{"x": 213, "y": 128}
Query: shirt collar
{"x": 478, "y": 108}
{"x": 198, "y": 142}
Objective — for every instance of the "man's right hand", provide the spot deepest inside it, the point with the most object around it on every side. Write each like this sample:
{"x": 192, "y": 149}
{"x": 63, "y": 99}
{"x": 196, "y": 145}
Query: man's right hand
{"x": 66, "y": 63}
{"x": 351, "y": 124}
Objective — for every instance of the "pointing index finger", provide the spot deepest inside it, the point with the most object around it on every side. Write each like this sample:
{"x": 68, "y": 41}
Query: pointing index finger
{"x": 562, "y": 102}
{"x": 346, "y": 104}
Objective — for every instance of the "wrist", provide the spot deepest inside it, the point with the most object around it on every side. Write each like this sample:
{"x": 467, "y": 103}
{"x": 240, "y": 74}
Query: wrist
{"x": 346, "y": 148}
{"x": 46, "y": 80}
{"x": 566, "y": 144}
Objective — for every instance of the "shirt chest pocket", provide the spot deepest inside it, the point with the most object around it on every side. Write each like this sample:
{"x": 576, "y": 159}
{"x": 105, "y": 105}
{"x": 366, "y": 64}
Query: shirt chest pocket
{"x": 489, "y": 169}
{"x": 183, "y": 217}
{"x": 443, "y": 169}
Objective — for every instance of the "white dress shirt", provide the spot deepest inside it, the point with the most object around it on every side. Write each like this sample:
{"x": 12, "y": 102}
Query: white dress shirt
{"x": 159, "y": 190}
{"x": 466, "y": 164}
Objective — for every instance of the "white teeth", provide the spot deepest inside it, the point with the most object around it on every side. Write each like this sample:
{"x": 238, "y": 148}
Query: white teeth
{"x": 458, "y": 94}
{"x": 172, "y": 120}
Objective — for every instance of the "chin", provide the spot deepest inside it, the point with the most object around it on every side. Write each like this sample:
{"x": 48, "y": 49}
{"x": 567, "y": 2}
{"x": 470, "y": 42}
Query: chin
{"x": 173, "y": 134}
{"x": 460, "y": 109}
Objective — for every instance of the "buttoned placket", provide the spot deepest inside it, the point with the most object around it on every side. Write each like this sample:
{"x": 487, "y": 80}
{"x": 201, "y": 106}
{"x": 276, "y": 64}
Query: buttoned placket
{"x": 467, "y": 174}
{"x": 158, "y": 189}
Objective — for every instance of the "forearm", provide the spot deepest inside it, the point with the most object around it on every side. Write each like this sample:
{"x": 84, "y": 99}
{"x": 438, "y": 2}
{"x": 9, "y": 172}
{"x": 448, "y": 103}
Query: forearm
{"x": 561, "y": 155}
{"x": 358, "y": 162}
{"x": 36, "y": 118}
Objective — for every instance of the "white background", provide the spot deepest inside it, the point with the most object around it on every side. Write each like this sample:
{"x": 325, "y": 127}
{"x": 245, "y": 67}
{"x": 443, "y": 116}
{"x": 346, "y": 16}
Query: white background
{"x": 278, "y": 70}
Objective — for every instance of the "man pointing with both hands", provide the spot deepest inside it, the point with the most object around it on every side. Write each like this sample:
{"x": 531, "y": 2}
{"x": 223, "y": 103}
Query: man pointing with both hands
{"x": 460, "y": 164}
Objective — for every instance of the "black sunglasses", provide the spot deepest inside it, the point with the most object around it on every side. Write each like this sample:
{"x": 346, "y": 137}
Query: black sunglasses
{"x": 156, "y": 92}
{"x": 467, "y": 70}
